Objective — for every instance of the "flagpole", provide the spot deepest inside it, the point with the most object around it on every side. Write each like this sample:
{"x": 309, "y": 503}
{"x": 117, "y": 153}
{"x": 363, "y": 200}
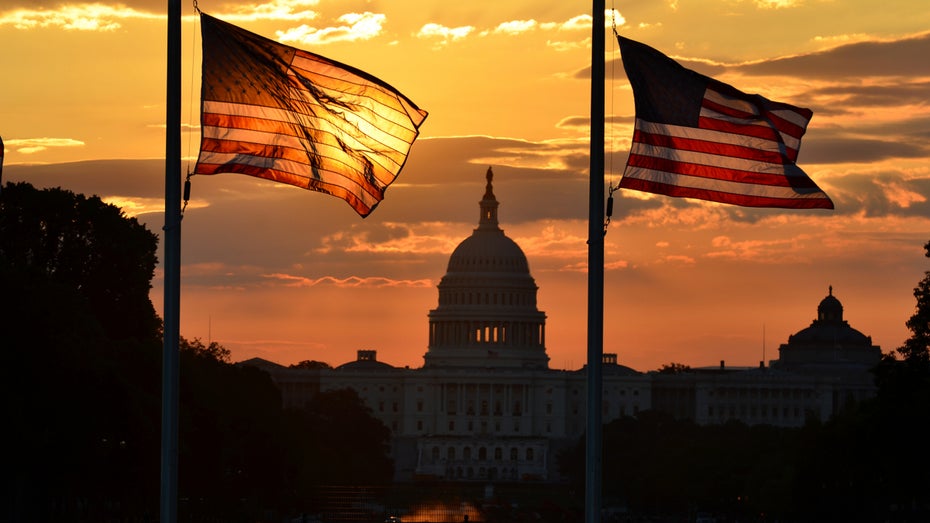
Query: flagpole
{"x": 172, "y": 268}
{"x": 593, "y": 443}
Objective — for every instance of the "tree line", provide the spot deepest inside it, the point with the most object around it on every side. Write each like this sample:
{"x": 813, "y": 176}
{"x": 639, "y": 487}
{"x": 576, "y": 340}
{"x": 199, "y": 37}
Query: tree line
{"x": 870, "y": 463}
{"x": 81, "y": 382}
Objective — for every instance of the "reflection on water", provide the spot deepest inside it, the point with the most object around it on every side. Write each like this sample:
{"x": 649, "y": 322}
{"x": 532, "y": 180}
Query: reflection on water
{"x": 437, "y": 512}
{"x": 442, "y": 503}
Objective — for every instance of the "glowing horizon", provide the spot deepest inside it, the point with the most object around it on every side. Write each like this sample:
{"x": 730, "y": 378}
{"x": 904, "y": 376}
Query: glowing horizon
{"x": 288, "y": 275}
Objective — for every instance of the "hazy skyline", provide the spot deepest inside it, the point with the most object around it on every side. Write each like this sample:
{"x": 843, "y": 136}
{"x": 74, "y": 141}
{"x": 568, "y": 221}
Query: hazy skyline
{"x": 277, "y": 272}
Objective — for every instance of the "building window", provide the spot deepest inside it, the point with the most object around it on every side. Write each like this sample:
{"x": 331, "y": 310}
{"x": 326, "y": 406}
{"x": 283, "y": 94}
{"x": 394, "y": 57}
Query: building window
{"x": 498, "y": 453}
{"x": 435, "y": 453}
{"x": 451, "y": 426}
{"x": 450, "y": 453}
{"x": 419, "y": 425}
{"x": 513, "y": 454}
{"x": 419, "y": 405}
{"x": 529, "y": 454}
{"x": 482, "y": 453}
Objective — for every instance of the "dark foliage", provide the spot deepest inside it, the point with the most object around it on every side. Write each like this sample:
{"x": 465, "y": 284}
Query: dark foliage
{"x": 869, "y": 463}
{"x": 89, "y": 247}
{"x": 81, "y": 387}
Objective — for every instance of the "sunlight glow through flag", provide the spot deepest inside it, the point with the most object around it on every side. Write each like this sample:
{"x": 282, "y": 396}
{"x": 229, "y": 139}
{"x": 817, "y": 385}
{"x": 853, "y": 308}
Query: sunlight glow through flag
{"x": 696, "y": 137}
{"x": 280, "y": 113}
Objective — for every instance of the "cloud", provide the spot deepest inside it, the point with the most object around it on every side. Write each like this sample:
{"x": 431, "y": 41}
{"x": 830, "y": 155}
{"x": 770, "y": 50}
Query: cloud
{"x": 135, "y": 206}
{"x": 393, "y": 238}
{"x": 906, "y": 57}
{"x": 34, "y": 145}
{"x": 73, "y": 17}
{"x": 899, "y": 92}
{"x": 778, "y": 4}
{"x": 765, "y": 251}
{"x": 552, "y": 239}
{"x": 356, "y": 27}
{"x": 444, "y": 34}
{"x": 845, "y": 147}
{"x": 273, "y": 10}
{"x": 516, "y": 27}
{"x": 290, "y": 280}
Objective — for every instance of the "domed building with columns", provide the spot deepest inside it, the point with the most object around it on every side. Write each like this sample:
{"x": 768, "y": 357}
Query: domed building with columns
{"x": 487, "y": 302}
{"x": 485, "y": 406}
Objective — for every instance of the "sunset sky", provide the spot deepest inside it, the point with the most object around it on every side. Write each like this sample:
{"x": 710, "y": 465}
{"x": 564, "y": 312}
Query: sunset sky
{"x": 285, "y": 274}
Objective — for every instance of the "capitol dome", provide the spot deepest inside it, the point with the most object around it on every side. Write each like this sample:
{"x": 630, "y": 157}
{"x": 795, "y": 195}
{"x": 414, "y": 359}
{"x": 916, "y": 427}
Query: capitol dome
{"x": 487, "y": 313}
{"x": 828, "y": 341}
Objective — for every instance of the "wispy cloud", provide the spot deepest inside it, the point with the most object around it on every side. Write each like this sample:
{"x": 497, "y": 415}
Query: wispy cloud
{"x": 134, "y": 205}
{"x": 35, "y": 145}
{"x": 291, "y": 280}
{"x": 393, "y": 238}
{"x": 74, "y": 17}
{"x": 443, "y": 34}
{"x": 273, "y": 10}
{"x": 516, "y": 27}
{"x": 353, "y": 27}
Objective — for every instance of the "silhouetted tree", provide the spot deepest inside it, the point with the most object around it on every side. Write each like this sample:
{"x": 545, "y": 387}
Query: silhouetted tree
{"x": 230, "y": 459}
{"x": 80, "y": 348}
{"x": 339, "y": 442}
{"x": 86, "y": 245}
{"x": 81, "y": 387}
{"x": 214, "y": 351}
{"x": 674, "y": 368}
{"x": 311, "y": 364}
{"x": 900, "y": 413}
{"x": 916, "y": 349}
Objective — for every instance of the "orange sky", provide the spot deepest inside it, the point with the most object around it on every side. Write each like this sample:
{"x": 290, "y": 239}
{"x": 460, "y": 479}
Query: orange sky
{"x": 290, "y": 275}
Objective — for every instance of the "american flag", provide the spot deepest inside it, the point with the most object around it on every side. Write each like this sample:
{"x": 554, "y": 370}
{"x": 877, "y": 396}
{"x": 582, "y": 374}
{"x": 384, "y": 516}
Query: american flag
{"x": 696, "y": 137}
{"x": 280, "y": 113}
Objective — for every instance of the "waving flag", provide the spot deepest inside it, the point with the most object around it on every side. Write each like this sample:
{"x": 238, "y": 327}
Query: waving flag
{"x": 280, "y": 113}
{"x": 696, "y": 137}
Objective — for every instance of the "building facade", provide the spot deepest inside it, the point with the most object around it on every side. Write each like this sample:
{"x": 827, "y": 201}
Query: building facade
{"x": 485, "y": 406}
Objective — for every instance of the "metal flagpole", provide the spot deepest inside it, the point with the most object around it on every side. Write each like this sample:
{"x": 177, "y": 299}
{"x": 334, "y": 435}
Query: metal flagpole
{"x": 593, "y": 443}
{"x": 172, "y": 239}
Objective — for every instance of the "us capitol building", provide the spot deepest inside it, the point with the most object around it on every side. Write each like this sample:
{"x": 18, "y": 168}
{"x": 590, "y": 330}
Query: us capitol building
{"x": 485, "y": 406}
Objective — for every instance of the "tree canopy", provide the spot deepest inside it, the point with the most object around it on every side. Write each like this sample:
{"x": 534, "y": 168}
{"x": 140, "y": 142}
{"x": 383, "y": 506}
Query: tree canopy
{"x": 84, "y": 249}
{"x": 81, "y": 387}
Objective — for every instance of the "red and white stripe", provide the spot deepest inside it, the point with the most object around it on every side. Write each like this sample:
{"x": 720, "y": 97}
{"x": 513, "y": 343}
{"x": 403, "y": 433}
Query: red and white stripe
{"x": 740, "y": 153}
{"x": 323, "y": 127}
